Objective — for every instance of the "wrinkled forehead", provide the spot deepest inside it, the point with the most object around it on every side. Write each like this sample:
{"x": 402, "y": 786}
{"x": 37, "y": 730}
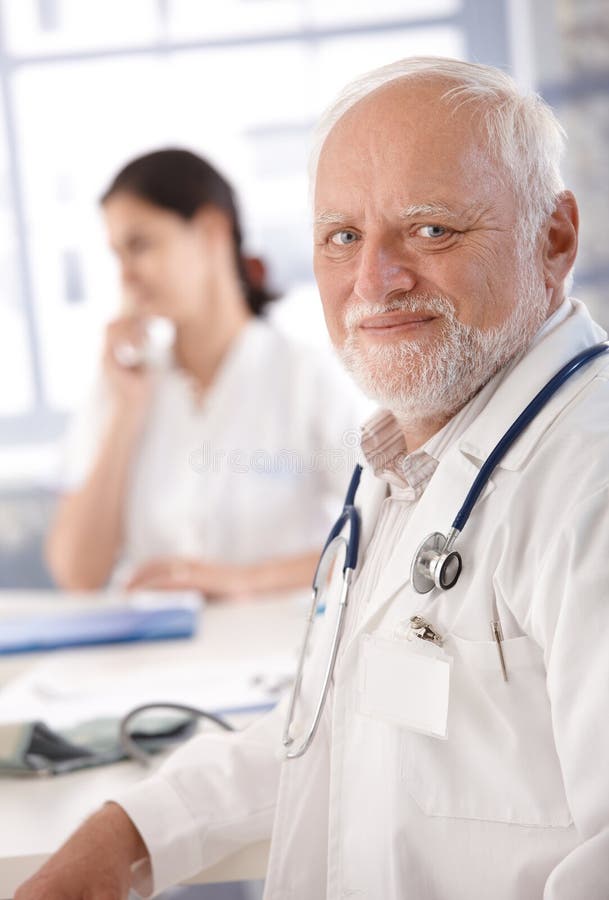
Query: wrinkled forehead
{"x": 414, "y": 105}
{"x": 406, "y": 138}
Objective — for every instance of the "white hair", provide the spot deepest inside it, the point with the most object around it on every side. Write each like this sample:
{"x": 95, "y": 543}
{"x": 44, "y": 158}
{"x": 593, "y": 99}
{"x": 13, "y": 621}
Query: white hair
{"x": 522, "y": 132}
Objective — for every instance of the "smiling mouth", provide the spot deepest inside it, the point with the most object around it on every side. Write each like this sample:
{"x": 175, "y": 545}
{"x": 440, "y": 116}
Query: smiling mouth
{"x": 396, "y": 321}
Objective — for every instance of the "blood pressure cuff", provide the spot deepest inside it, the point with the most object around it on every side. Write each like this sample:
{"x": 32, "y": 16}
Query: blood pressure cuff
{"x": 32, "y": 748}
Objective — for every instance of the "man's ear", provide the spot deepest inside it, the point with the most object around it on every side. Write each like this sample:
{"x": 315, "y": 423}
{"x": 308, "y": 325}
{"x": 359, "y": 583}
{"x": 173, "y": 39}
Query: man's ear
{"x": 560, "y": 242}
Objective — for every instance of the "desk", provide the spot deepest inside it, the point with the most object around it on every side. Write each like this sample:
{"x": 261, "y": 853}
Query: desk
{"x": 38, "y": 815}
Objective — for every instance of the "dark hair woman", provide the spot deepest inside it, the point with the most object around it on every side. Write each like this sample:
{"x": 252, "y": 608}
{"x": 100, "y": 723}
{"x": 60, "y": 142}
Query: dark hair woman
{"x": 190, "y": 468}
{"x": 183, "y": 183}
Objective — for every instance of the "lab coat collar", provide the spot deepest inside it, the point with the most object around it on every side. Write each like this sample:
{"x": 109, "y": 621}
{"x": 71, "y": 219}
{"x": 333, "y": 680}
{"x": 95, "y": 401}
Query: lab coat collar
{"x": 573, "y": 334}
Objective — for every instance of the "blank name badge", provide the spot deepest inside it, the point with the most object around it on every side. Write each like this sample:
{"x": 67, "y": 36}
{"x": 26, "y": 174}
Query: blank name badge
{"x": 404, "y": 684}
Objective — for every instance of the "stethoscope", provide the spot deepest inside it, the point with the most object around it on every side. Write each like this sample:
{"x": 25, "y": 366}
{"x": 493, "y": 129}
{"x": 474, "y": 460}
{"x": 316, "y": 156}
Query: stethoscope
{"x": 436, "y": 563}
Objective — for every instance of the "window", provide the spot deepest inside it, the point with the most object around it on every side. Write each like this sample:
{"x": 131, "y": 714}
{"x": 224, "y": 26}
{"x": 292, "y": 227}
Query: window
{"x": 89, "y": 85}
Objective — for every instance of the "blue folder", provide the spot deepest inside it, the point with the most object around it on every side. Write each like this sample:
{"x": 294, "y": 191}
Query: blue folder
{"x": 110, "y": 625}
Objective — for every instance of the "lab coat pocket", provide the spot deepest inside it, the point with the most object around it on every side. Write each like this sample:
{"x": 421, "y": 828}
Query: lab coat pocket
{"x": 499, "y": 762}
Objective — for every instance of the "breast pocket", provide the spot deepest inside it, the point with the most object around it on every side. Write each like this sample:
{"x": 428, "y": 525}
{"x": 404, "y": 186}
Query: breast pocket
{"x": 499, "y": 762}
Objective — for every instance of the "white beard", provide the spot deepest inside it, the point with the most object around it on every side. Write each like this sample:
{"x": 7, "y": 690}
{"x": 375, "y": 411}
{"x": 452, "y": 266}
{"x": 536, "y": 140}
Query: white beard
{"x": 423, "y": 381}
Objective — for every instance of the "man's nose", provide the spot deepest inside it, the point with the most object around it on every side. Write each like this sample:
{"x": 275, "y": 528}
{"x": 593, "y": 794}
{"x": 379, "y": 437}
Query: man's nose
{"x": 382, "y": 269}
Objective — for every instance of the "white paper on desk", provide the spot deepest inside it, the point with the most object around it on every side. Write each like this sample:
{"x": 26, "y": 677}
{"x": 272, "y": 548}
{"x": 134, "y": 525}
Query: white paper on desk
{"x": 67, "y": 690}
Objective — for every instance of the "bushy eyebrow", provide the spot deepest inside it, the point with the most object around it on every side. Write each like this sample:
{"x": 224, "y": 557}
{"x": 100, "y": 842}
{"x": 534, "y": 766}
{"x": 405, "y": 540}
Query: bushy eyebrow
{"x": 413, "y": 211}
{"x": 327, "y": 217}
{"x": 416, "y": 210}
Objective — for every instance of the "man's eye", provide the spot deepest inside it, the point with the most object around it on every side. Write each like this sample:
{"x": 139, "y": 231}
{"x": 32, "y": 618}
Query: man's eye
{"x": 432, "y": 231}
{"x": 342, "y": 238}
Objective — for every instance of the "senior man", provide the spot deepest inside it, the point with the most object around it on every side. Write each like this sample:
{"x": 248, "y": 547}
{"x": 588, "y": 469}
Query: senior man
{"x": 473, "y": 763}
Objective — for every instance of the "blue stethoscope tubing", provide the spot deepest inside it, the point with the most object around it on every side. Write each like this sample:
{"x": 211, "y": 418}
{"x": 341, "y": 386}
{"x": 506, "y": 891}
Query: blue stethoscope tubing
{"x": 435, "y": 563}
{"x": 522, "y": 422}
{"x": 349, "y": 516}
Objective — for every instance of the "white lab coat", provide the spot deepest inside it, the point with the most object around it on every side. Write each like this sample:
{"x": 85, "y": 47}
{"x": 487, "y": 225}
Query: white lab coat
{"x": 253, "y": 471}
{"x": 514, "y": 805}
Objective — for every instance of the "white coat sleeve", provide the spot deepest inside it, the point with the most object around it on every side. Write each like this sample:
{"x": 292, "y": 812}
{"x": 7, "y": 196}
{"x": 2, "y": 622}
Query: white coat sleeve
{"x": 570, "y": 618}
{"x": 213, "y": 796}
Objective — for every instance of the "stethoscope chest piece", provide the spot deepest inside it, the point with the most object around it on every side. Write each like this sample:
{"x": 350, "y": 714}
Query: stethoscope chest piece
{"x": 435, "y": 564}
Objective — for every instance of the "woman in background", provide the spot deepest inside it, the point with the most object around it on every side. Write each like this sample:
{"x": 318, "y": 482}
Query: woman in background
{"x": 216, "y": 463}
